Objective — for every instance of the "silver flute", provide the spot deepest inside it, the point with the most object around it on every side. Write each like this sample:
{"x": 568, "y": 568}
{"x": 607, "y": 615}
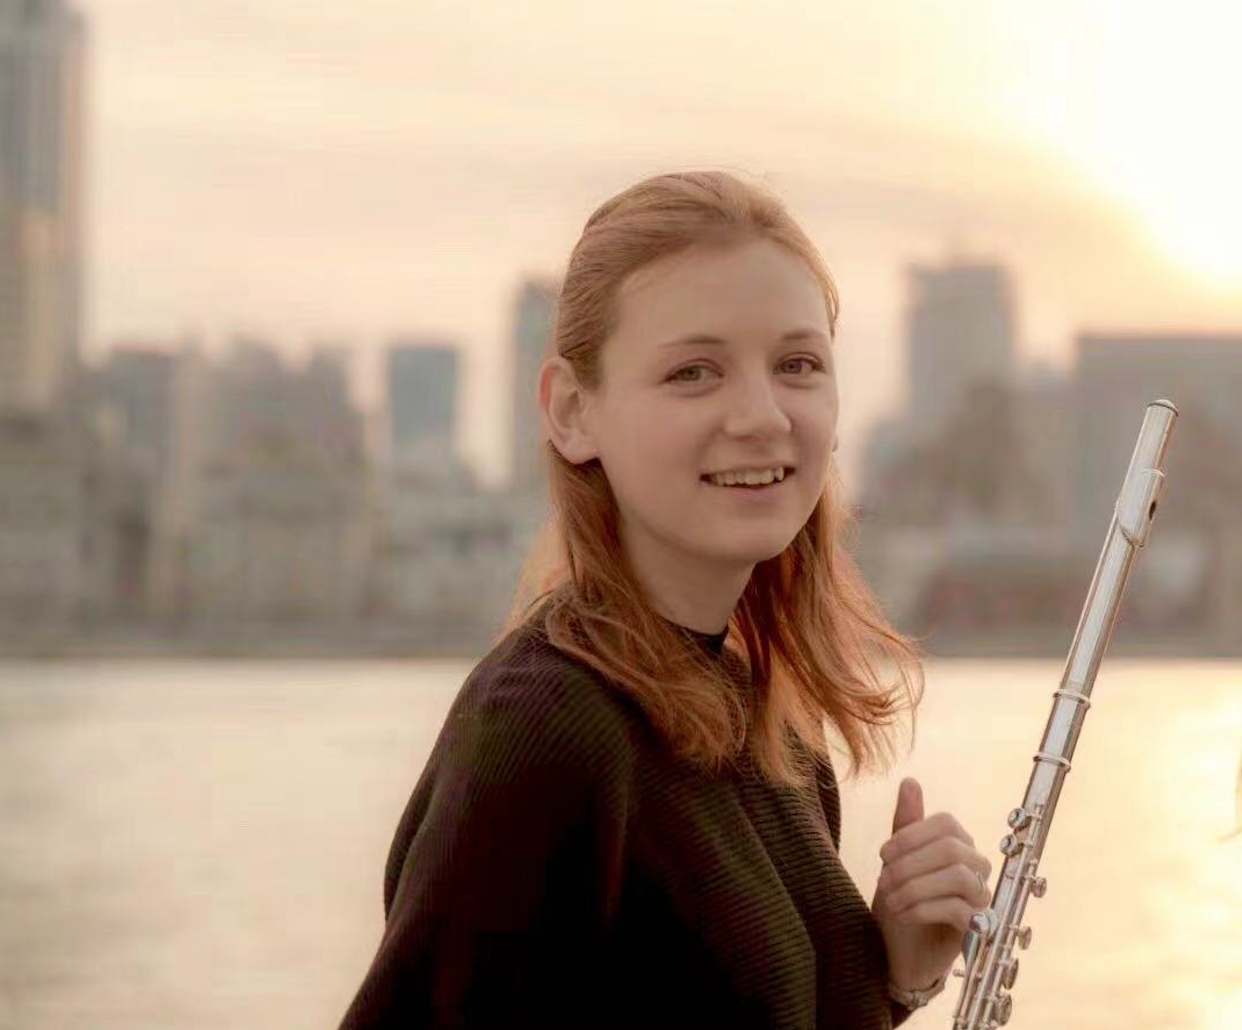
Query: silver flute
{"x": 988, "y": 946}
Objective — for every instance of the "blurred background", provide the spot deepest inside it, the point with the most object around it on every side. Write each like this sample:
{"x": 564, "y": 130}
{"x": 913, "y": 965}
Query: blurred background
{"x": 276, "y": 277}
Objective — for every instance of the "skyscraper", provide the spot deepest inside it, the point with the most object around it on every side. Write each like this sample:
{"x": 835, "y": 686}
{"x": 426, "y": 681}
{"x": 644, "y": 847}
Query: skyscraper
{"x": 42, "y": 48}
{"x": 960, "y": 330}
{"x": 422, "y": 385}
{"x": 534, "y": 314}
{"x": 135, "y": 388}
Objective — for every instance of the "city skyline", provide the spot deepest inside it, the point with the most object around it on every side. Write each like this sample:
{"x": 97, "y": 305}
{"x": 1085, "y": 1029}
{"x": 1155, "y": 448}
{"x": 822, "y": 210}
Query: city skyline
{"x": 365, "y": 177}
{"x": 223, "y": 498}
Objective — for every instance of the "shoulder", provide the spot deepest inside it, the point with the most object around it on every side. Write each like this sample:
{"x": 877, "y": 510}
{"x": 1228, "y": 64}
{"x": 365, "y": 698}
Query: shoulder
{"x": 532, "y": 702}
{"x": 531, "y": 743}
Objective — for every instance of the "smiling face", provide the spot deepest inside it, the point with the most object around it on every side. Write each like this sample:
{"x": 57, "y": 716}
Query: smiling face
{"x": 674, "y": 407}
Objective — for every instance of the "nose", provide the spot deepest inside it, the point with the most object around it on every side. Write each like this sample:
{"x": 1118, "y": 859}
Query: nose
{"x": 755, "y": 409}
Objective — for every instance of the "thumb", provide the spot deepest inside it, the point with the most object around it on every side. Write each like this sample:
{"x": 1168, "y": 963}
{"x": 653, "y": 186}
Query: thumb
{"x": 909, "y": 803}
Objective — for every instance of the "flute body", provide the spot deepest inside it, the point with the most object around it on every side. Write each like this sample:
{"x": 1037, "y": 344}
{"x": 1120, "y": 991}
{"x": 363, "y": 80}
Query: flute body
{"x": 988, "y": 947}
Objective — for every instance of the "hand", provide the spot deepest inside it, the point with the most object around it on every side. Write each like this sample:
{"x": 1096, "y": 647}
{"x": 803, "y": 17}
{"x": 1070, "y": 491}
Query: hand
{"x": 927, "y": 891}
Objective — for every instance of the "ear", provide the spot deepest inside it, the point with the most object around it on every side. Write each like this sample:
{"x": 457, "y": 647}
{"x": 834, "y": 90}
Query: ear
{"x": 565, "y": 406}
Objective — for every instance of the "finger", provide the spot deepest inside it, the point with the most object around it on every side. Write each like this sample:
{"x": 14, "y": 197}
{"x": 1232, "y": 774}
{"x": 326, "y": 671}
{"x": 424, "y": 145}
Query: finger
{"x": 942, "y": 852}
{"x": 959, "y": 880}
{"x": 909, "y": 808}
{"x": 915, "y": 835}
{"x": 950, "y": 911}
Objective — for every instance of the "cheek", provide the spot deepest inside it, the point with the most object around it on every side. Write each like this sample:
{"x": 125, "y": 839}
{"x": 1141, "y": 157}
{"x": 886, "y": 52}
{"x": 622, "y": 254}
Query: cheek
{"x": 816, "y": 421}
{"x": 653, "y": 452}
{"x": 655, "y": 435}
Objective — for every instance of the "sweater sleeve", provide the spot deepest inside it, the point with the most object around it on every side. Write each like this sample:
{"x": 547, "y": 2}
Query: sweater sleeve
{"x": 830, "y": 800}
{"x": 479, "y": 862}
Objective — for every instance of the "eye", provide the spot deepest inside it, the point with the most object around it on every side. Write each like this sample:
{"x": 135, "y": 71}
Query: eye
{"x": 677, "y": 377}
{"x": 815, "y": 363}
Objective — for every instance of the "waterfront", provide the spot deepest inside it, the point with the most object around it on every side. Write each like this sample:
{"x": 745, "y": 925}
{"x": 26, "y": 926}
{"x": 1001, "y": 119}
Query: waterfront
{"x": 192, "y": 845}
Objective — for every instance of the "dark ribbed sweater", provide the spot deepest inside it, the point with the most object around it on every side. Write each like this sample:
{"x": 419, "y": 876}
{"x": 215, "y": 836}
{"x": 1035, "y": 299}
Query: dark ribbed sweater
{"x": 557, "y": 866}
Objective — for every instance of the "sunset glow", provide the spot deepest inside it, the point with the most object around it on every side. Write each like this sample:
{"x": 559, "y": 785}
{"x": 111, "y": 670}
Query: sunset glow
{"x": 1166, "y": 134}
{"x": 364, "y": 160}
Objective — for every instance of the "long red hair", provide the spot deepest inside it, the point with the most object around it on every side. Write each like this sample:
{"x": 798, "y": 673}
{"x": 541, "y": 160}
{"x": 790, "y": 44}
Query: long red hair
{"x": 808, "y": 635}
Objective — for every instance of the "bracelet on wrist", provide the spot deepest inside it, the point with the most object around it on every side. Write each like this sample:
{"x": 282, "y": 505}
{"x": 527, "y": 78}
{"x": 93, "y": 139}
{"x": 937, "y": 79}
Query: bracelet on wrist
{"x": 914, "y": 998}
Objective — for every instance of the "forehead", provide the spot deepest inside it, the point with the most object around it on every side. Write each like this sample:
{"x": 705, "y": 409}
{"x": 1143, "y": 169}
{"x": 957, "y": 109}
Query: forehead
{"x": 757, "y": 288}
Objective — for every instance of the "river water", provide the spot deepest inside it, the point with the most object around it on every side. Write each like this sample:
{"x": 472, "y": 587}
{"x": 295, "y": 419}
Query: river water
{"x": 190, "y": 845}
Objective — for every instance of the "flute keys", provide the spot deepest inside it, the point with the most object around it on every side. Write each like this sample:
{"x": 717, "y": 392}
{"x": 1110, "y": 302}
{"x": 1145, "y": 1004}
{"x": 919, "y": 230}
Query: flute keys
{"x": 1010, "y": 974}
{"x": 1003, "y": 1009}
{"x": 1019, "y": 818}
{"x": 1039, "y": 886}
{"x": 1024, "y": 937}
{"x": 982, "y": 926}
{"x": 1009, "y": 845}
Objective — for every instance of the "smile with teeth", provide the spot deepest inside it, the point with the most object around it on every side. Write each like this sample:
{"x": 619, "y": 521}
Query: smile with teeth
{"x": 748, "y": 477}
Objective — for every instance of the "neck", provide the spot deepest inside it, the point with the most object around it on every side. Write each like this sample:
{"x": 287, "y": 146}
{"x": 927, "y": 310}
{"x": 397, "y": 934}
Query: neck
{"x": 692, "y": 592}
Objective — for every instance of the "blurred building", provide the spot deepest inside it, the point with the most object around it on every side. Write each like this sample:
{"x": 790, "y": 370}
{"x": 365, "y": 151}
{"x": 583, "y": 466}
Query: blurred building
{"x": 42, "y": 47}
{"x": 959, "y": 330}
{"x": 135, "y": 385}
{"x": 992, "y": 461}
{"x": 44, "y": 510}
{"x": 447, "y": 553}
{"x": 985, "y": 535}
{"x": 960, "y": 348}
{"x": 277, "y": 516}
{"x": 534, "y": 315}
{"x": 448, "y": 560}
{"x": 1045, "y": 414}
{"x": 131, "y": 400}
{"x": 423, "y": 387}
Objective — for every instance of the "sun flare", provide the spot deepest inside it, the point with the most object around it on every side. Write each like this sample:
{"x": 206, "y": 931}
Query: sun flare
{"x": 1166, "y": 128}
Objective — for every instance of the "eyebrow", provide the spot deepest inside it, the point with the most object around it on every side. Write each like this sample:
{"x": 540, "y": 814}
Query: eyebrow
{"x": 790, "y": 337}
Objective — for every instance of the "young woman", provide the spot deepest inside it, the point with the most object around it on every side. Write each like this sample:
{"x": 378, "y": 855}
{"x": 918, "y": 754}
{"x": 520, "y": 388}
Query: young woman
{"x": 630, "y": 817}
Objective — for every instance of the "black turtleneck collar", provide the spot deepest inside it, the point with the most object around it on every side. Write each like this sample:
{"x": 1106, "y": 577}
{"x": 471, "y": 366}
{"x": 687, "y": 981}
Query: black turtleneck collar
{"x": 713, "y": 642}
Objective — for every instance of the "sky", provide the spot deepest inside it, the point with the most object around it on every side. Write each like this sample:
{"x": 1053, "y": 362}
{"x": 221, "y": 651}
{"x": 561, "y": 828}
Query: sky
{"x": 315, "y": 172}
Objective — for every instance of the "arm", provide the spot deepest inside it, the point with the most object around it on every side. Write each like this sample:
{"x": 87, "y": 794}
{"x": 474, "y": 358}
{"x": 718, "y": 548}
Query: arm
{"x": 830, "y": 801}
{"x": 502, "y": 807}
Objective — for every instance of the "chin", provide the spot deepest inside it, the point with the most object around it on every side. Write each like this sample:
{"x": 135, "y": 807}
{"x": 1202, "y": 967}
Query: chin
{"x": 750, "y": 551}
